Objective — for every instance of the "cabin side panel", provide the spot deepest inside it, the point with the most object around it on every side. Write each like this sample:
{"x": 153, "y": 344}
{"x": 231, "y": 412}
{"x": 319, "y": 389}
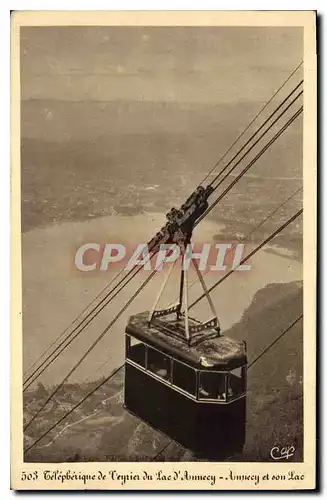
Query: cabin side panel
{"x": 160, "y": 406}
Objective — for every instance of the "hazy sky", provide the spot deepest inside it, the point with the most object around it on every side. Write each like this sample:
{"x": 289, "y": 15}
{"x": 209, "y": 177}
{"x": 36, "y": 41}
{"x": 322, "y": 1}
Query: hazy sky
{"x": 211, "y": 64}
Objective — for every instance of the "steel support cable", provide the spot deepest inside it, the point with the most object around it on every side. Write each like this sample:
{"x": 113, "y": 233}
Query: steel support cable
{"x": 257, "y": 131}
{"x": 250, "y": 254}
{"x": 163, "y": 449}
{"x": 32, "y": 375}
{"x": 252, "y": 162}
{"x": 112, "y": 374}
{"x": 71, "y": 337}
{"x": 251, "y": 122}
{"x": 92, "y": 346}
{"x": 249, "y": 366}
{"x": 275, "y": 341}
{"x": 258, "y": 140}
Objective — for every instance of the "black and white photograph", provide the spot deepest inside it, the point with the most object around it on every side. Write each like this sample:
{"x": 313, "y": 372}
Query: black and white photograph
{"x": 161, "y": 197}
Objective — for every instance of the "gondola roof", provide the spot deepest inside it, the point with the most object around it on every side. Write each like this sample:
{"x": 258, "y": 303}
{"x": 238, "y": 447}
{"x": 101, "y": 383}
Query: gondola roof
{"x": 218, "y": 353}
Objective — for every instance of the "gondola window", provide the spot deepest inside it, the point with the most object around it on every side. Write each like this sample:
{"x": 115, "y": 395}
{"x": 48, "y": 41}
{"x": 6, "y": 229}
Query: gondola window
{"x": 184, "y": 377}
{"x": 212, "y": 385}
{"x": 135, "y": 350}
{"x": 159, "y": 364}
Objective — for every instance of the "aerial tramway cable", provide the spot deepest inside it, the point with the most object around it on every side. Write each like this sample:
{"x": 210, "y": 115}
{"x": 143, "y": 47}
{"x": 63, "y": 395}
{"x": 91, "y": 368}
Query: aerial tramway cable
{"x": 275, "y": 341}
{"x": 251, "y": 122}
{"x": 247, "y": 236}
{"x": 260, "y": 128}
{"x": 249, "y": 255}
{"x": 107, "y": 299}
{"x": 256, "y": 142}
{"x": 112, "y": 374}
{"x": 252, "y": 162}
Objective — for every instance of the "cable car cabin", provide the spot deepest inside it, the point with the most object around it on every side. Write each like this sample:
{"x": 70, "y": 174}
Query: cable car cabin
{"x": 196, "y": 394}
